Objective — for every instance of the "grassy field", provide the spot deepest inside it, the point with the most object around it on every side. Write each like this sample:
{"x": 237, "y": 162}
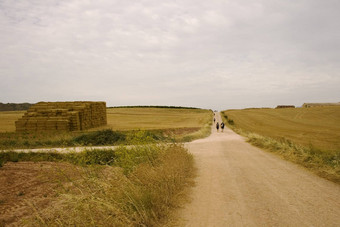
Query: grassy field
{"x": 167, "y": 124}
{"x": 124, "y": 119}
{"x": 317, "y": 126}
{"x": 155, "y": 118}
{"x": 307, "y": 136}
{"x": 8, "y": 118}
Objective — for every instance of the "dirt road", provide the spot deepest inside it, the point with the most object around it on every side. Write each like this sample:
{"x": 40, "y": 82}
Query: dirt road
{"x": 241, "y": 185}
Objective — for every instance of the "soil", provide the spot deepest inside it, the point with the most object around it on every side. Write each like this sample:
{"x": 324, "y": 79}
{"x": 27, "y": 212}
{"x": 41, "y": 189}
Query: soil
{"x": 27, "y": 187}
{"x": 241, "y": 185}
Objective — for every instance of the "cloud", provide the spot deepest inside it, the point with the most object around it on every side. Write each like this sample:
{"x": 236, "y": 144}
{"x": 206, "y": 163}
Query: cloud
{"x": 219, "y": 54}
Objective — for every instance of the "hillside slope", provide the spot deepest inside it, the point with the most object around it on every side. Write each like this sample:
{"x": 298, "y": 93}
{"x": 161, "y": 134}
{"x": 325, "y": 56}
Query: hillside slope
{"x": 318, "y": 126}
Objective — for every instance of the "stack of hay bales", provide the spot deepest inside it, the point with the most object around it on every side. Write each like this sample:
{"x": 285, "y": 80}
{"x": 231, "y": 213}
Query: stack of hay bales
{"x": 284, "y": 106}
{"x": 62, "y": 116}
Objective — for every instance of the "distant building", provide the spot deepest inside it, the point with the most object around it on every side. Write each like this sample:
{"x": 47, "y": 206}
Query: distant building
{"x": 284, "y": 106}
{"x": 308, "y": 105}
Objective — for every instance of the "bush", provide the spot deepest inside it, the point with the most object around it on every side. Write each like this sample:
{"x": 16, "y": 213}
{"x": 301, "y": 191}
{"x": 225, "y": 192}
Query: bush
{"x": 91, "y": 157}
{"x": 104, "y": 137}
{"x": 231, "y": 122}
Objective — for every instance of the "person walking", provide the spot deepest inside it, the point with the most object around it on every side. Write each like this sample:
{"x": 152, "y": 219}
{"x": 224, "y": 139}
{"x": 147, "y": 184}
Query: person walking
{"x": 217, "y": 126}
{"x": 222, "y": 126}
{"x": 214, "y": 120}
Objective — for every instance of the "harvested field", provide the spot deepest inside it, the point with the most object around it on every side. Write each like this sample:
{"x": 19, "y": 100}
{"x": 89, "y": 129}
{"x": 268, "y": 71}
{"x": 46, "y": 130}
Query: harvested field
{"x": 25, "y": 186}
{"x": 132, "y": 118}
{"x": 156, "y": 118}
{"x": 317, "y": 126}
{"x": 183, "y": 124}
{"x": 8, "y": 118}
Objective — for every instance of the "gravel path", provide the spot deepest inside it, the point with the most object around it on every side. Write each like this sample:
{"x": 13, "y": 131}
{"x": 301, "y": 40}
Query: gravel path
{"x": 241, "y": 185}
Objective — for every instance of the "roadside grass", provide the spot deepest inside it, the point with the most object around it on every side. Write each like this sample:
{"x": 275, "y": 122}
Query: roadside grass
{"x": 106, "y": 137}
{"x": 203, "y": 132}
{"x": 86, "y": 157}
{"x": 44, "y": 139}
{"x": 138, "y": 186}
{"x": 323, "y": 162}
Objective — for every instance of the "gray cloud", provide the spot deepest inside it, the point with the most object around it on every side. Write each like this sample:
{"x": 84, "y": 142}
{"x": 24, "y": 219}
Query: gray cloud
{"x": 216, "y": 54}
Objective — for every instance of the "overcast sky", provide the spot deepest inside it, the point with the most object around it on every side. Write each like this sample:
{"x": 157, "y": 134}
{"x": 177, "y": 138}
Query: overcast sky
{"x": 217, "y": 54}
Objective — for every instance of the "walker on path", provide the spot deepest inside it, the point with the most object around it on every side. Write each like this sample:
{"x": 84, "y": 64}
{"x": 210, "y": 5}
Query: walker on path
{"x": 222, "y": 126}
{"x": 217, "y": 126}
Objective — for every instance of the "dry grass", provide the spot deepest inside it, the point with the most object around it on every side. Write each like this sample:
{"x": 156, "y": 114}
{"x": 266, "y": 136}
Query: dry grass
{"x": 169, "y": 124}
{"x": 155, "y": 118}
{"x": 7, "y": 120}
{"x": 141, "y": 188}
{"x": 105, "y": 196}
{"x": 318, "y": 126}
{"x": 125, "y": 119}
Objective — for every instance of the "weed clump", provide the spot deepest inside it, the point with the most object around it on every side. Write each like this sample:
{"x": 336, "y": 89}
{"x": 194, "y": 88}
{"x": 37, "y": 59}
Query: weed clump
{"x": 231, "y": 122}
{"x": 104, "y": 137}
{"x": 140, "y": 189}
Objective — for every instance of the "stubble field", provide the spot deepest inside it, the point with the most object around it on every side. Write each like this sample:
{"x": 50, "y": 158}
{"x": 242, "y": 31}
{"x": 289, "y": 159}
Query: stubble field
{"x": 317, "y": 126}
{"x": 307, "y": 136}
{"x": 173, "y": 124}
{"x": 132, "y": 118}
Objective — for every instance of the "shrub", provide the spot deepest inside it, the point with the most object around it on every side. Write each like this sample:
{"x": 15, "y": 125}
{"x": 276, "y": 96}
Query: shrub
{"x": 91, "y": 157}
{"x": 104, "y": 137}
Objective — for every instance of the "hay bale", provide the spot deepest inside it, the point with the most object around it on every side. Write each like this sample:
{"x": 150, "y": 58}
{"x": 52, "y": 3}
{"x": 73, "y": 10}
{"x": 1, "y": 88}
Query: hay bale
{"x": 68, "y": 116}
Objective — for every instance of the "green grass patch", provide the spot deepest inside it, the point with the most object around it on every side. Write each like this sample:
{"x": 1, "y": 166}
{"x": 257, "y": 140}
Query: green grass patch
{"x": 203, "y": 132}
{"x": 104, "y": 137}
{"x": 93, "y": 138}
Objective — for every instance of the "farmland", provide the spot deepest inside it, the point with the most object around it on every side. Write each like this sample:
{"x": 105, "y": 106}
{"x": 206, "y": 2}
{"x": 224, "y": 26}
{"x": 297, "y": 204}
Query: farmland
{"x": 125, "y": 186}
{"x": 155, "y": 118}
{"x": 7, "y": 120}
{"x": 317, "y": 126}
{"x": 307, "y": 136}
{"x": 133, "y": 118}
{"x": 164, "y": 123}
